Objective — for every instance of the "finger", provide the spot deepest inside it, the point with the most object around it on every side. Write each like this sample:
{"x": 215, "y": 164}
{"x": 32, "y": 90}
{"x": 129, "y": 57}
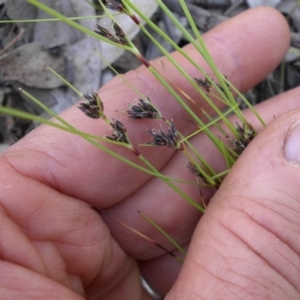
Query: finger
{"x": 60, "y": 239}
{"x": 20, "y": 283}
{"x": 77, "y": 168}
{"x": 246, "y": 245}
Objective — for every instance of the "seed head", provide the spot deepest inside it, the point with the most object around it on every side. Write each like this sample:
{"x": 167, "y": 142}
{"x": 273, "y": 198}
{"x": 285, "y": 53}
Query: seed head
{"x": 205, "y": 84}
{"x": 105, "y": 33}
{"x": 118, "y": 126}
{"x": 115, "y": 5}
{"x": 94, "y": 106}
{"x": 194, "y": 170}
{"x": 118, "y": 5}
{"x": 119, "y": 134}
{"x": 245, "y": 135}
{"x": 118, "y": 36}
{"x": 143, "y": 110}
{"x": 161, "y": 138}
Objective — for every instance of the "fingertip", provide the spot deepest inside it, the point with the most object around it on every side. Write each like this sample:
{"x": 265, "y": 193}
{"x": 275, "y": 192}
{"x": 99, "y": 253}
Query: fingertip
{"x": 264, "y": 20}
{"x": 253, "y": 44}
{"x": 277, "y": 29}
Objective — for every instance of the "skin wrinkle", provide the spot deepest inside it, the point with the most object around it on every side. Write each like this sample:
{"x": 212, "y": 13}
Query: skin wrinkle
{"x": 29, "y": 226}
{"x": 260, "y": 254}
{"x": 118, "y": 280}
{"x": 49, "y": 183}
{"x": 39, "y": 268}
{"x": 223, "y": 281}
{"x": 39, "y": 291}
{"x": 232, "y": 283}
{"x": 49, "y": 161}
{"x": 64, "y": 268}
{"x": 105, "y": 260}
{"x": 69, "y": 278}
{"x": 212, "y": 273}
{"x": 38, "y": 245}
{"x": 282, "y": 217}
{"x": 4, "y": 211}
{"x": 63, "y": 247}
{"x": 65, "y": 230}
{"x": 256, "y": 279}
{"x": 225, "y": 260}
{"x": 109, "y": 255}
{"x": 292, "y": 264}
{"x": 271, "y": 228}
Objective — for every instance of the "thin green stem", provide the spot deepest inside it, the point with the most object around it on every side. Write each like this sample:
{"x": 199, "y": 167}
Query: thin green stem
{"x": 173, "y": 186}
{"x": 71, "y": 86}
{"x": 163, "y": 232}
{"x": 74, "y": 24}
{"x": 51, "y": 19}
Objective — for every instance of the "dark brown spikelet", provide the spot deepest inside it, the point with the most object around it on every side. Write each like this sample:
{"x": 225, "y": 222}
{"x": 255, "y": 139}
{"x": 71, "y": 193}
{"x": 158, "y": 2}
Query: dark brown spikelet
{"x": 119, "y": 134}
{"x": 118, "y": 126}
{"x": 194, "y": 170}
{"x": 118, "y": 5}
{"x": 205, "y": 84}
{"x": 245, "y": 135}
{"x": 118, "y": 36}
{"x": 143, "y": 110}
{"x": 119, "y": 33}
{"x": 106, "y": 33}
{"x": 94, "y": 106}
{"x": 115, "y": 5}
{"x": 221, "y": 88}
{"x": 161, "y": 138}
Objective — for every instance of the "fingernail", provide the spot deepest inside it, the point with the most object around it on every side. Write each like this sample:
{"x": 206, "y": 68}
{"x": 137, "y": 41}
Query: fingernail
{"x": 291, "y": 148}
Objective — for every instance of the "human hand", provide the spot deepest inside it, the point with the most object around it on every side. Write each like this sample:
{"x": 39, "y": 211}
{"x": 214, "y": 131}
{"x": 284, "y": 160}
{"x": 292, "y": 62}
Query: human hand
{"x": 54, "y": 246}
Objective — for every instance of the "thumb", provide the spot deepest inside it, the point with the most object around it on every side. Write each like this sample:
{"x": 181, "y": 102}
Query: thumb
{"x": 247, "y": 244}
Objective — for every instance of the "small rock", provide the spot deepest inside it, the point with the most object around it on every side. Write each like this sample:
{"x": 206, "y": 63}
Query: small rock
{"x": 254, "y": 3}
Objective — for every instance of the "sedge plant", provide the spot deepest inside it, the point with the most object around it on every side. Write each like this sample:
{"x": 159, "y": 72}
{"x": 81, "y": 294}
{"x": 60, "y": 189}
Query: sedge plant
{"x": 230, "y": 139}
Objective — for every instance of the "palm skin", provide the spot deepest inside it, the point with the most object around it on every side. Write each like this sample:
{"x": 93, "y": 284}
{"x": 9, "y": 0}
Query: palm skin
{"x": 55, "y": 246}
